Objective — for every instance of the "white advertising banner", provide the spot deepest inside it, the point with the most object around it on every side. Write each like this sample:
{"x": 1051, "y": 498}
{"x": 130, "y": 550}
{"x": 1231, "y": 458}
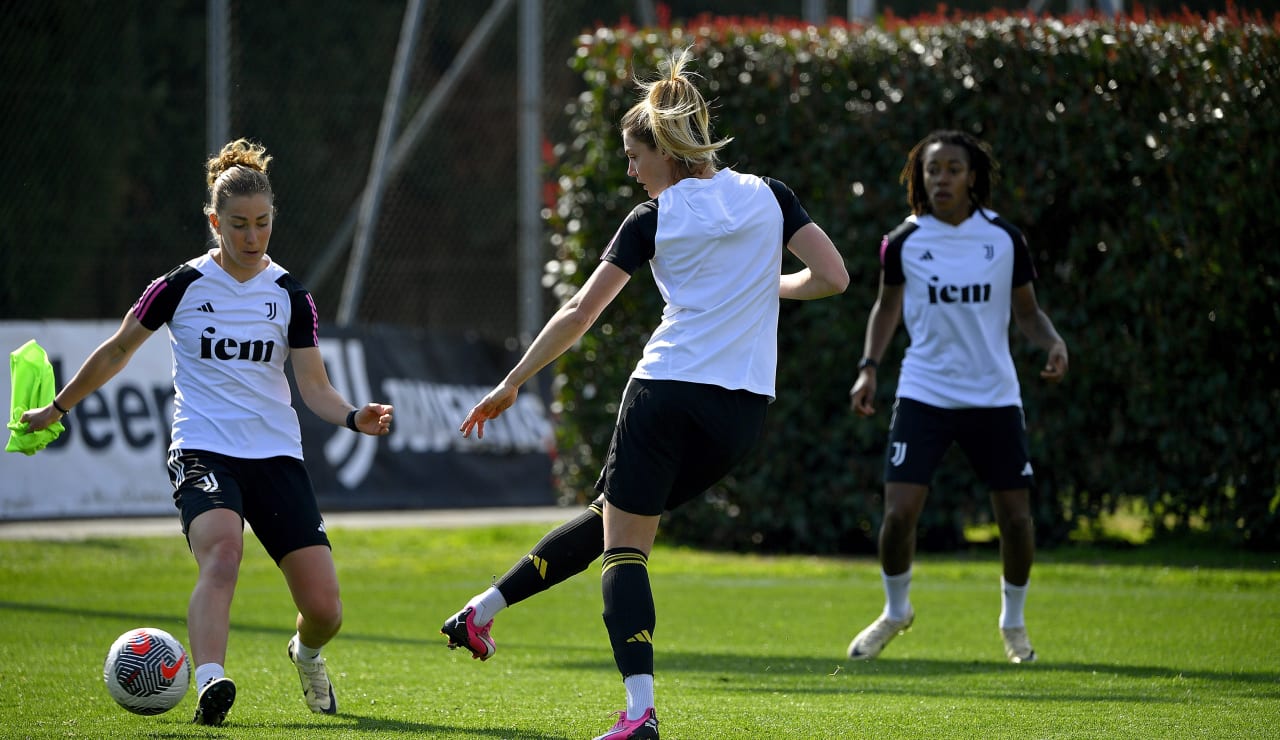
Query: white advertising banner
{"x": 110, "y": 460}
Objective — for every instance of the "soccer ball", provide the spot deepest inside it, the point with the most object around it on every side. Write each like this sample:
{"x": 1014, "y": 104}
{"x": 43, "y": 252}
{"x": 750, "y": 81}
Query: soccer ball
{"x": 147, "y": 671}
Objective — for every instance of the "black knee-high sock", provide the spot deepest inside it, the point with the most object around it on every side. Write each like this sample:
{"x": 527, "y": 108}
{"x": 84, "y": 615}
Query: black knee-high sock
{"x": 628, "y": 609}
{"x": 563, "y": 553}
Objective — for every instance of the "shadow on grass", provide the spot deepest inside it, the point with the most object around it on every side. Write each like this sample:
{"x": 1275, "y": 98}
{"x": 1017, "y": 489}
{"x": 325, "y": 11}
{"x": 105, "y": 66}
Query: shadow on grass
{"x": 174, "y": 623}
{"x": 760, "y": 667}
{"x": 346, "y": 723}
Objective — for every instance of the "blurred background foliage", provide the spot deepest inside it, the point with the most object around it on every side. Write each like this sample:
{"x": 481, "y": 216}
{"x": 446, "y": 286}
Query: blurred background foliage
{"x": 1139, "y": 156}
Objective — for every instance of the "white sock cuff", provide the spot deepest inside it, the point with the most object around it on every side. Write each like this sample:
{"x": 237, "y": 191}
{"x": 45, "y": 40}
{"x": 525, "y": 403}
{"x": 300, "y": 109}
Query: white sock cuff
{"x": 1013, "y": 600}
{"x": 639, "y": 694}
{"x": 902, "y": 577}
{"x": 897, "y": 599}
{"x": 206, "y": 672}
{"x": 487, "y": 604}
{"x": 1006, "y": 585}
{"x": 305, "y": 652}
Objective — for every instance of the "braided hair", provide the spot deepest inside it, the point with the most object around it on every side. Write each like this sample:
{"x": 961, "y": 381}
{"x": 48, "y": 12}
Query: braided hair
{"x": 982, "y": 163}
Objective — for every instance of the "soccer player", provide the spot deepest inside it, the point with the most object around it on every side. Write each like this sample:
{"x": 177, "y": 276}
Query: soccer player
{"x": 234, "y": 318}
{"x": 953, "y": 272}
{"x": 695, "y": 404}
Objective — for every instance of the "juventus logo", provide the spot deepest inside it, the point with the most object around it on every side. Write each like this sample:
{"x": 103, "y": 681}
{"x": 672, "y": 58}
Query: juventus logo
{"x": 271, "y": 308}
{"x": 899, "y": 454}
{"x": 208, "y": 483}
{"x": 989, "y": 251}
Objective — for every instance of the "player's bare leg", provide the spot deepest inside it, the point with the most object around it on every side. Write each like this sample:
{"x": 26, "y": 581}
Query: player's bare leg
{"x": 217, "y": 541}
{"x": 903, "y": 503}
{"x": 313, "y": 582}
{"x": 1017, "y": 550}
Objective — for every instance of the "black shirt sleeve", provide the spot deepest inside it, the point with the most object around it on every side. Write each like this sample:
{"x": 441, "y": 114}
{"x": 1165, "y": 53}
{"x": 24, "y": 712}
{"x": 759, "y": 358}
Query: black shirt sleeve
{"x": 635, "y": 242}
{"x": 155, "y": 307}
{"x": 891, "y": 253}
{"x": 304, "y": 319}
{"x": 794, "y": 216}
{"x": 1024, "y": 270}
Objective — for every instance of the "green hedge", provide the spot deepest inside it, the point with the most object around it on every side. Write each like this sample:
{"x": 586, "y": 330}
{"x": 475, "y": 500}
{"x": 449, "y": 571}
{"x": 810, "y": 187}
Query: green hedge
{"x": 1141, "y": 159}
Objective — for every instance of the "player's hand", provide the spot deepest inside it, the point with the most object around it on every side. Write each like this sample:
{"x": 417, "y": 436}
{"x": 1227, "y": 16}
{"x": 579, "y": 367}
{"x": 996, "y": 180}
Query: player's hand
{"x": 862, "y": 395}
{"x": 1055, "y": 369}
{"x": 490, "y": 407}
{"x": 374, "y": 419}
{"x": 41, "y": 418}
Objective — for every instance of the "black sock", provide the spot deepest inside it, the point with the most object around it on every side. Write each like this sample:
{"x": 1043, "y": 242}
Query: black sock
{"x": 628, "y": 609}
{"x": 563, "y": 553}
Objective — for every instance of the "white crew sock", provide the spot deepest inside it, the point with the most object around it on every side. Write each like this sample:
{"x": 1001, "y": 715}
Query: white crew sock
{"x": 487, "y": 605}
{"x": 897, "y": 600}
{"x": 206, "y": 672}
{"x": 639, "y": 694}
{"x": 1012, "y": 600}
{"x": 308, "y": 654}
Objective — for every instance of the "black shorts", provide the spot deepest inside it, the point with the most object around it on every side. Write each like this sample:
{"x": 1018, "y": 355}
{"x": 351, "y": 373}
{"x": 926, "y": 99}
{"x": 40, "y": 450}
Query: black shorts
{"x": 674, "y": 440}
{"x": 273, "y": 494}
{"x": 993, "y": 439}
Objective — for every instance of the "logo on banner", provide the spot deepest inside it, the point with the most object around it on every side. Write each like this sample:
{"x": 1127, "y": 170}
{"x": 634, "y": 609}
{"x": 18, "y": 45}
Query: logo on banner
{"x": 350, "y": 454}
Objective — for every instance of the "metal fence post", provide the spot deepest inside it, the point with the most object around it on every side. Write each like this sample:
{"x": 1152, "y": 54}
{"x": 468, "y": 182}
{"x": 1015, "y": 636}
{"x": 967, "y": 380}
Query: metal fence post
{"x": 367, "y": 222}
{"x": 529, "y": 221}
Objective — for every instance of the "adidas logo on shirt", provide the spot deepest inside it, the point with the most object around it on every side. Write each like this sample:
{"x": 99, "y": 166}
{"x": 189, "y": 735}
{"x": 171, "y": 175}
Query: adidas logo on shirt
{"x": 207, "y": 307}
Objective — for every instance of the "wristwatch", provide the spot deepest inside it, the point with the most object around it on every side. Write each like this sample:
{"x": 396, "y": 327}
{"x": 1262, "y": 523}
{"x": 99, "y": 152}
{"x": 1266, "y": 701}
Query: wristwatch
{"x": 867, "y": 362}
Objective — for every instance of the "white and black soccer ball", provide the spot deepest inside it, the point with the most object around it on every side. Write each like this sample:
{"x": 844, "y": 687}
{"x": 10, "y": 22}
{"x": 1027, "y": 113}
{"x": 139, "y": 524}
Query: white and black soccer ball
{"x": 147, "y": 671}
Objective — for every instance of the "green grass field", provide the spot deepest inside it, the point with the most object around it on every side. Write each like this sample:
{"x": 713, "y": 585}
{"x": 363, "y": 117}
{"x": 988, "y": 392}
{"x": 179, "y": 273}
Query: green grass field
{"x": 1140, "y": 643}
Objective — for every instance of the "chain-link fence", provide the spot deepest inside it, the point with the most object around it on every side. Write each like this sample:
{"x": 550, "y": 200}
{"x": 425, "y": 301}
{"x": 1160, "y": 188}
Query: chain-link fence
{"x": 104, "y": 138}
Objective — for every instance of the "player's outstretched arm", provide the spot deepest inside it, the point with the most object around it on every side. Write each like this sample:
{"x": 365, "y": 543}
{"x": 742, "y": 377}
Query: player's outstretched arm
{"x": 562, "y": 330}
{"x": 102, "y": 365}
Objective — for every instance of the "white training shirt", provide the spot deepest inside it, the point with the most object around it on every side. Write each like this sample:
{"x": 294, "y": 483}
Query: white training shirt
{"x": 230, "y": 341}
{"x": 715, "y": 248}
{"x": 956, "y": 305}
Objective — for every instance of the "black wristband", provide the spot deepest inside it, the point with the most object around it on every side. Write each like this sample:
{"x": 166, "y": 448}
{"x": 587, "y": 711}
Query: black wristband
{"x": 61, "y": 410}
{"x": 351, "y": 420}
{"x": 867, "y": 362}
